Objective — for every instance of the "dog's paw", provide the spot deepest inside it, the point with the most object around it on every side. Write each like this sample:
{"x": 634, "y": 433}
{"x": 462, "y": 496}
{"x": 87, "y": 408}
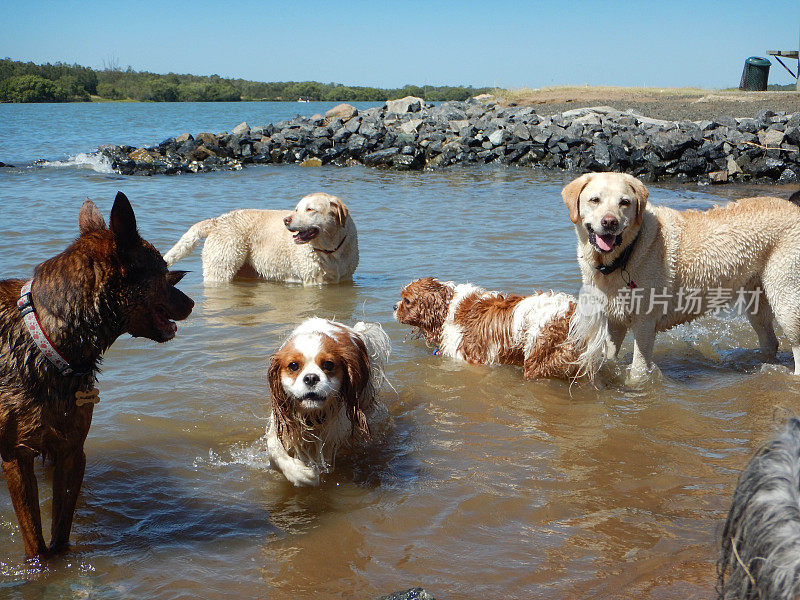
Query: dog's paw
{"x": 303, "y": 476}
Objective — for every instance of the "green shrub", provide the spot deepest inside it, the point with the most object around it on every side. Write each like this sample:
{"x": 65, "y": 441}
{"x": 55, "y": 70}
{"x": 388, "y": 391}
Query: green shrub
{"x": 31, "y": 88}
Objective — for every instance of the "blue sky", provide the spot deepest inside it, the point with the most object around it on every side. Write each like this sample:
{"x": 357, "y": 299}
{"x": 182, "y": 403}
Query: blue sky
{"x": 388, "y": 44}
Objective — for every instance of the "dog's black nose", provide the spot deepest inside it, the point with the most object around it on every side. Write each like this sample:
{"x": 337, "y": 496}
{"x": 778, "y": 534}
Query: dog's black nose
{"x": 609, "y": 222}
{"x": 311, "y": 379}
{"x": 396, "y": 306}
{"x": 287, "y": 220}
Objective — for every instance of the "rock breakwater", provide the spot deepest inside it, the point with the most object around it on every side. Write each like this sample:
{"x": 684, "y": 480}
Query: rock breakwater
{"x": 409, "y": 134}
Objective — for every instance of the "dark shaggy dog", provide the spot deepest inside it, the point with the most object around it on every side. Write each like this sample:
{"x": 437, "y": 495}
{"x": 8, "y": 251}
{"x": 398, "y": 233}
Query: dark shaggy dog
{"x": 761, "y": 540}
{"x": 108, "y": 282}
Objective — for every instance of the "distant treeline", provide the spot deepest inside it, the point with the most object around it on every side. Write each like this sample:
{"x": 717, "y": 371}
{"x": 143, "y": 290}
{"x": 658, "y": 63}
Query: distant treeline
{"x": 29, "y": 82}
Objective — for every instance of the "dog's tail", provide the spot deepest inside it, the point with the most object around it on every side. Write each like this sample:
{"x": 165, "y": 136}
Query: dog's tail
{"x": 379, "y": 348}
{"x": 189, "y": 241}
{"x": 760, "y": 553}
{"x": 588, "y": 329}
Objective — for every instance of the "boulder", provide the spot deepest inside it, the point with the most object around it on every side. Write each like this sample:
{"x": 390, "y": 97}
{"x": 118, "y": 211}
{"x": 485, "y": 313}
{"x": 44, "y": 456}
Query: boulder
{"x": 140, "y": 155}
{"x": 404, "y": 105}
{"x": 499, "y": 137}
{"x": 208, "y": 139}
{"x": 381, "y": 157}
{"x": 772, "y": 138}
{"x": 311, "y": 162}
{"x": 345, "y": 112}
{"x": 241, "y": 129}
{"x": 410, "y": 126}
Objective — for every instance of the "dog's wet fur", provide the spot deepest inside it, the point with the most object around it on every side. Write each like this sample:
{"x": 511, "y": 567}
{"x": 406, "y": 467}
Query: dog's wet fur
{"x": 110, "y": 281}
{"x": 760, "y": 545}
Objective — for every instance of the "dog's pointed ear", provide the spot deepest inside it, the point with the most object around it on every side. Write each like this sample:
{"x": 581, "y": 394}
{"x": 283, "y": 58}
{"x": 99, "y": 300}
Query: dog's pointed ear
{"x": 89, "y": 218}
{"x": 123, "y": 221}
{"x": 641, "y": 192}
{"x": 173, "y": 277}
{"x": 571, "y": 194}
{"x": 340, "y": 211}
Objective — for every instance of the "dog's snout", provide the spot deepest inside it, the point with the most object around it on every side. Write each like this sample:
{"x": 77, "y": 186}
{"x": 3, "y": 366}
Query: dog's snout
{"x": 609, "y": 222}
{"x": 287, "y": 220}
{"x": 311, "y": 379}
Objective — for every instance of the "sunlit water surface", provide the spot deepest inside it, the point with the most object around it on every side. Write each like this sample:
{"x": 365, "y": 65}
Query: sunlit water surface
{"x": 482, "y": 485}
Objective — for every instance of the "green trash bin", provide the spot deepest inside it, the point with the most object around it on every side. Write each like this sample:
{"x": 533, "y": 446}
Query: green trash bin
{"x": 755, "y": 74}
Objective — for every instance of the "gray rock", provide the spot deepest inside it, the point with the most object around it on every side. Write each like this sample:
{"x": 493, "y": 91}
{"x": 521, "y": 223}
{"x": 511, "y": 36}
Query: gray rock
{"x": 458, "y": 124}
{"x": 356, "y": 143}
{"x": 410, "y": 126}
{"x": 368, "y": 129}
{"x": 241, "y": 129}
{"x": 381, "y": 157}
{"x": 499, "y": 137}
{"x": 404, "y": 105}
{"x": 747, "y": 124}
{"x": 353, "y": 125}
{"x": 771, "y": 138}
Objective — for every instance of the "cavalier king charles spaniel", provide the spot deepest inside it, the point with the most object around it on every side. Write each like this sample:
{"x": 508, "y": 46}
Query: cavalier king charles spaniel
{"x": 549, "y": 334}
{"x": 324, "y": 381}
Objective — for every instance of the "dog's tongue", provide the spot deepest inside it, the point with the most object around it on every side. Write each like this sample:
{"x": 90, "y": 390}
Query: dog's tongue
{"x": 605, "y": 242}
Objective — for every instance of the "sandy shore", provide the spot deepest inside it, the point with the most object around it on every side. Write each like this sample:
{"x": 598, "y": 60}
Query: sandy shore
{"x": 675, "y": 104}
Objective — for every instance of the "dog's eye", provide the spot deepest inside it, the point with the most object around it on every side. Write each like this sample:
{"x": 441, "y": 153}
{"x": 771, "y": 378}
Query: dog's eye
{"x": 594, "y": 200}
{"x": 406, "y": 301}
{"x": 327, "y": 365}
{"x": 624, "y": 202}
{"x": 293, "y": 366}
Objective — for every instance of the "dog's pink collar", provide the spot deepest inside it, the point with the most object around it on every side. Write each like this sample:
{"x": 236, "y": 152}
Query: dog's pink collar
{"x": 46, "y": 347}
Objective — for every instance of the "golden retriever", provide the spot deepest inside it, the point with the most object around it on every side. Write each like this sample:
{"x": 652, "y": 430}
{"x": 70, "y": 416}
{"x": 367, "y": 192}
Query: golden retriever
{"x": 315, "y": 243}
{"x": 659, "y": 267}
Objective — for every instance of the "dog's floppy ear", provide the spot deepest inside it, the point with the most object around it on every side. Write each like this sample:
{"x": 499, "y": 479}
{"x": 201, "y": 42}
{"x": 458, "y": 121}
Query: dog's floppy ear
{"x": 641, "y": 192}
{"x": 123, "y": 221}
{"x": 279, "y": 399}
{"x": 356, "y": 387}
{"x": 340, "y": 211}
{"x": 571, "y": 194}
{"x": 434, "y": 302}
{"x": 89, "y": 218}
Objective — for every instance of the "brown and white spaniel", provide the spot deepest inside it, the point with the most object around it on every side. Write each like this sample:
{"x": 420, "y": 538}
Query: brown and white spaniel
{"x": 543, "y": 333}
{"x": 324, "y": 381}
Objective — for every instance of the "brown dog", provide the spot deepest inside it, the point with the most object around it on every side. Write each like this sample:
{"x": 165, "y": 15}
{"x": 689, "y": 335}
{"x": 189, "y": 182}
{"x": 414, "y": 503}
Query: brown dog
{"x": 108, "y": 282}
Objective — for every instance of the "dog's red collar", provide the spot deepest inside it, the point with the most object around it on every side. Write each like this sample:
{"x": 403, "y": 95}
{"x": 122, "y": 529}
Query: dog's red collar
{"x": 46, "y": 347}
{"x": 331, "y": 251}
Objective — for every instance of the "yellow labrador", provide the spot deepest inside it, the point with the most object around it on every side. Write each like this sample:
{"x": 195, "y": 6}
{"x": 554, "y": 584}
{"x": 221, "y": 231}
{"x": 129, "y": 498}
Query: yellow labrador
{"x": 315, "y": 243}
{"x": 658, "y": 267}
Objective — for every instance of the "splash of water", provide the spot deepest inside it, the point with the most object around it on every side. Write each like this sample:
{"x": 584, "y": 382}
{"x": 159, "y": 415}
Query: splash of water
{"x": 92, "y": 160}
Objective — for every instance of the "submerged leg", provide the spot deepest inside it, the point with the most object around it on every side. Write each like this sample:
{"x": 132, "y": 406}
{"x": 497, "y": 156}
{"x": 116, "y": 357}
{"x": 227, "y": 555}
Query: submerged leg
{"x": 67, "y": 480}
{"x": 24, "y": 493}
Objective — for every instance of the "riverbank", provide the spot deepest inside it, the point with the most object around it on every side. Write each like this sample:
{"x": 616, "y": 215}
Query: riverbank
{"x": 672, "y": 104}
{"x": 409, "y": 134}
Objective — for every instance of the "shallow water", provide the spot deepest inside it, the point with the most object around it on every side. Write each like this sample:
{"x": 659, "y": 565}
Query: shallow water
{"x": 482, "y": 486}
